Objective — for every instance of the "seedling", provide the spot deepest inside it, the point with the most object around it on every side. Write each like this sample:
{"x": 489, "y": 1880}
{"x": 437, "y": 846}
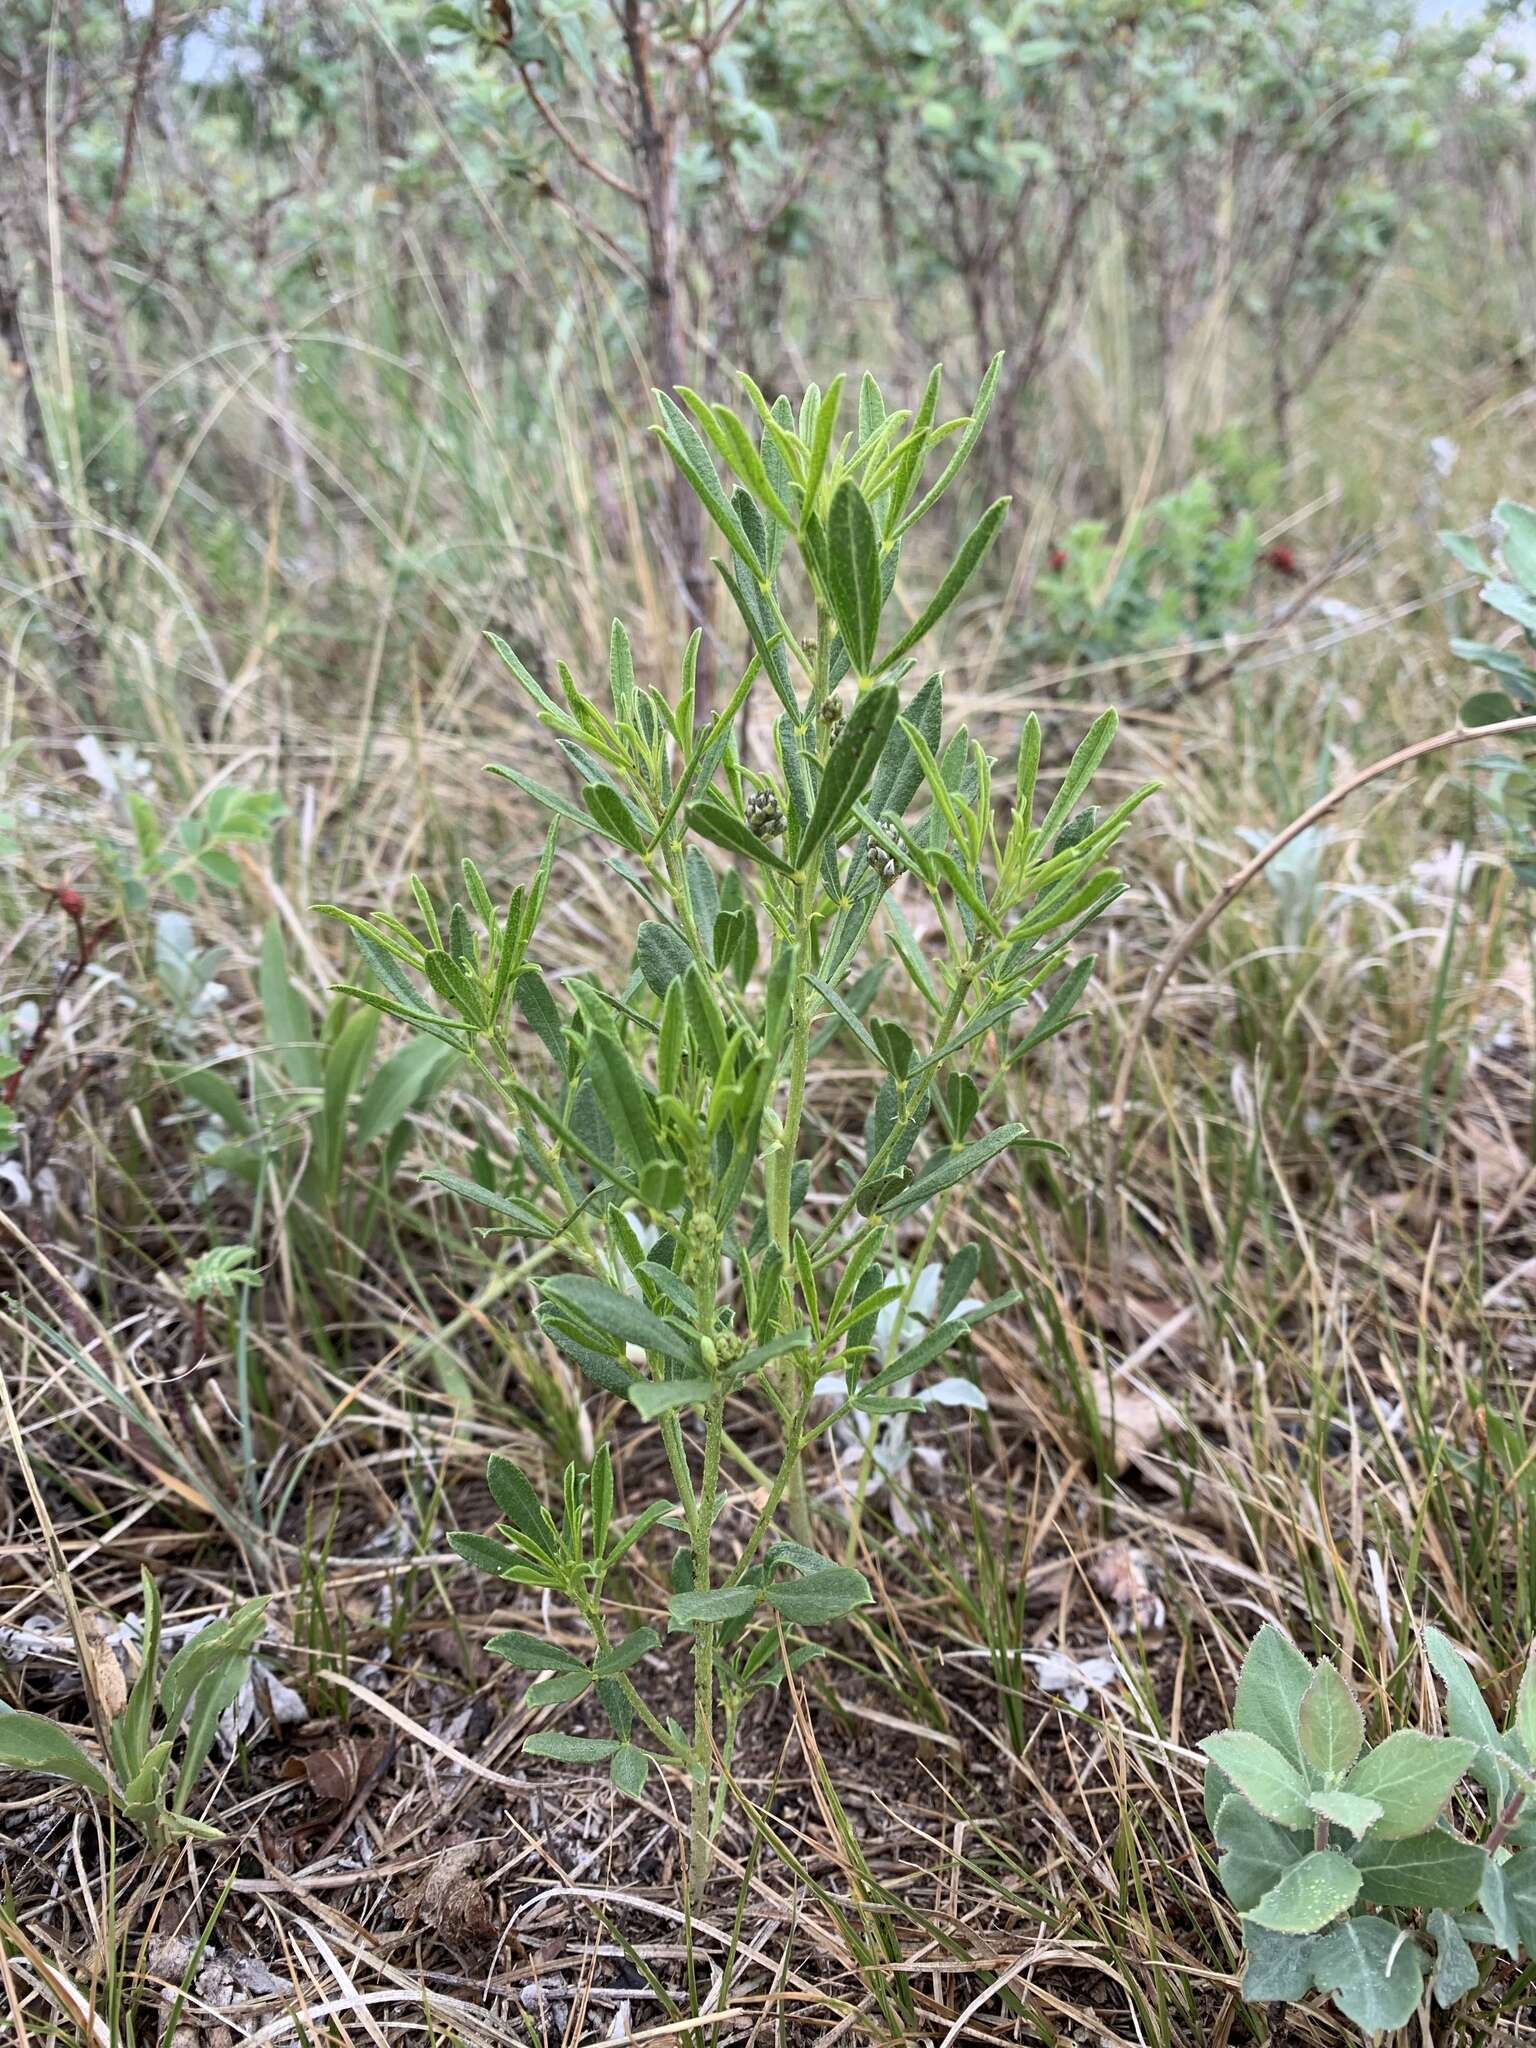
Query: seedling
{"x": 147, "y": 1783}
{"x": 1368, "y": 1872}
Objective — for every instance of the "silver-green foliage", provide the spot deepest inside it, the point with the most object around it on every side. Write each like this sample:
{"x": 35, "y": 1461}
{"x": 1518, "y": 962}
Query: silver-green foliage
{"x": 1343, "y": 1858}
{"x": 1509, "y": 588}
{"x": 146, "y": 1781}
{"x": 659, "y": 1113}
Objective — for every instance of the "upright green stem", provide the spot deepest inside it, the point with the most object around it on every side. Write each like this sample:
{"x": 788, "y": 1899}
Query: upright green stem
{"x": 794, "y": 1108}
{"x": 701, "y": 1800}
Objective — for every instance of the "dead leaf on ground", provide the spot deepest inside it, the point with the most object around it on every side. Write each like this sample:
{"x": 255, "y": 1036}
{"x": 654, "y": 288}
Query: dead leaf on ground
{"x": 449, "y": 1899}
{"x": 106, "y": 1674}
{"x": 1123, "y": 1574}
{"x": 338, "y": 1773}
{"x": 1133, "y": 1418}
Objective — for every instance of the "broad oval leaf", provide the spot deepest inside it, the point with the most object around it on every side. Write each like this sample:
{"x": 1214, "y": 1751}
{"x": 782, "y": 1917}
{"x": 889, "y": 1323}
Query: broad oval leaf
{"x": 1316, "y": 1890}
{"x": 1258, "y": 1852}
{"x": 1411, "y": 1777}
{"x": 1374, "y": 1969}
{"x": 1266, "y": 1779}
{"x": 1432, "y": 1869}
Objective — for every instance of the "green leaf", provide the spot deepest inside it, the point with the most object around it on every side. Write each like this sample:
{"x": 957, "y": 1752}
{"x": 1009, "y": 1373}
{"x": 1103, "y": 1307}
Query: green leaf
{"x": 629, "y": 1769}
{"x": 662, "y": 954}
{"x": 621, "y": 1097}
{"x": 621, "y": 1316}
{"x": 1375, "y": 1971}
{"x": 532, "y": 1653}
{"x": 1486, "y": 707}
{"x": 30, "y": 1743}
{"x": 1270, "y": 1686}
{"x": 952, "y": 1167}
{"x": 1318, "y": 1889}
{"x": 515, "y": 1214}
{"x": 1512, "y": 601}
{"x": 1467, "y": 1713}
{"x": 560, "y": 1690}
{"x": 710, "y": 818}
{"x": 966, "y": 443}
{"x": 1519, "y": 1893}
{"x": 1493, "y": 1897}
{"x": 1358, "y": 1815}
{"x": 852, "y": 762}
{"x": 1433, "y": 1869}
{"x": 663, "y": 1397}
{"x": 720, "y": 1603}
{"x": 487, "y": 1555}
{"x": 820, "y": 1596}
{"x": 1518, "y": 547}
{"x": 1330, "y": 1725}
{"x": 1456, "y": 1972}
{"x": 853, "y": 573}
{"x": 548, "y": 799}
{"x": 1279, "y": 1965}
{"x": 570, "y": 1749}
{"x": 1258, "y": 1853}
{"x": 518, "y": 1502}
{"x": 542, "y": 1012}
{"x": 623, "y": 1656}
{"x": 285, "y": 1014}
{"x": 973, "y": 552}
{"x": 1465, "y": 550}
{"x": 1265, "y": 1778}
{"x": 1411, "y": 1777}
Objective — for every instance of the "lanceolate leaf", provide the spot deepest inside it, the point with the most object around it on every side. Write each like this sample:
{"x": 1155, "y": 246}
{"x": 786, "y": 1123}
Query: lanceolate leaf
{"x": 570, "y": 1749}
{"x": 713, "y": 821}
{"x": 852, "y": 763}
{"x": 853, "y": 573}
{"x": 532, "y": 1653}
{"x": 621, "y": 1316}
{"x": 972, "y": 553}
{"x": 722, "y": 1603}
{"x": 28, "y": 1742}
{"x": 515, "y": 1214}
{"x": 952, "y": 1167}
{"x": 821, "y": 1596}
{"x": 663, "y": 1397}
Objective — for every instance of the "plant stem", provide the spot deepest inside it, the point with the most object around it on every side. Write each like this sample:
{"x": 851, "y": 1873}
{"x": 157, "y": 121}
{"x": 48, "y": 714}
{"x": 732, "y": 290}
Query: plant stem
{"x": 1505, "y": 1822}
{"x": 701, "y": 1801}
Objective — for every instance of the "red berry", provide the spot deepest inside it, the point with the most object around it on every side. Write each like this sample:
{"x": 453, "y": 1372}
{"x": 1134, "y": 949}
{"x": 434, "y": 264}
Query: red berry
{"x": 70, "y": 901}
{"x": 1058, "y": 559}
{"x": 1283, "y": 561}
